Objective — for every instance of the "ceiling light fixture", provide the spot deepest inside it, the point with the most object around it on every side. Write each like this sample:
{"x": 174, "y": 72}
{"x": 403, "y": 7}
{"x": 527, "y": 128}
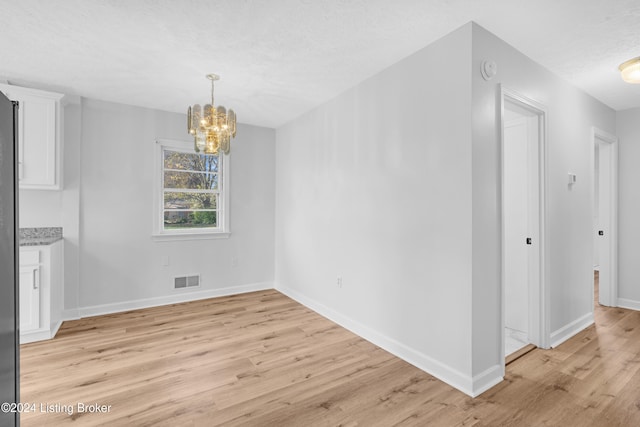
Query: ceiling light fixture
{"x": 630, "y": 70}
{"x": 212, "y": 127}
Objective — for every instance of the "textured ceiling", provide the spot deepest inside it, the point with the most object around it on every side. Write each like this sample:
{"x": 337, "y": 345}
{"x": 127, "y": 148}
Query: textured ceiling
{"x": 280, "y": 58}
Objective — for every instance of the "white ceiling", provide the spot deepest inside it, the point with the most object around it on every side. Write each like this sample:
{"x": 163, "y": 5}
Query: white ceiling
{"x": 280, "y": 58}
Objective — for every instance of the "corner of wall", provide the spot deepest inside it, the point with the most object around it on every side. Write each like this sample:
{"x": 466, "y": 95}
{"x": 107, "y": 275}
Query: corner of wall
{"x": 456, "y": 379}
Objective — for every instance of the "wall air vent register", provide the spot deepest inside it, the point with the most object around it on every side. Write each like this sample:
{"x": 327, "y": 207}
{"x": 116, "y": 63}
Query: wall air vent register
{"x": 182, "y": 282}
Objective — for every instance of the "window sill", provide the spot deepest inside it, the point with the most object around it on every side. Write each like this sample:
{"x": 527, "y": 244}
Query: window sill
{"x": 165, "y": 237}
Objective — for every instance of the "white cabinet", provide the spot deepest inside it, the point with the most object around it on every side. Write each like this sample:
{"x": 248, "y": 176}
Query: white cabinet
{"x": 39, "y": 146}
{"x": 41, "y": 288}
{"x": 30, "y": 292}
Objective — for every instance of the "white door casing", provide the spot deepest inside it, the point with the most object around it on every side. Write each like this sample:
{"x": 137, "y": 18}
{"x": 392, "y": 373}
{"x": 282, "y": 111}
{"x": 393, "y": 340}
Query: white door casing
{"x": 606, "y": 176}
{"x": 539, "y": 325}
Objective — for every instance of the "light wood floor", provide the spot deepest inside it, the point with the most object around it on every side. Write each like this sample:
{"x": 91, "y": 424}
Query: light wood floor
{"x": 262, "y": 359}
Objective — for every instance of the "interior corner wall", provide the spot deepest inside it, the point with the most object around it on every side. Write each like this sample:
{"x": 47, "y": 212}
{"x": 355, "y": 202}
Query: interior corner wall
{"x": 571, "y": 115}
{"x": 72, "y": 138}
{"x": 120, "y": 264}
{"x": 373, "y": 209}
{"x": 628, "y": 133}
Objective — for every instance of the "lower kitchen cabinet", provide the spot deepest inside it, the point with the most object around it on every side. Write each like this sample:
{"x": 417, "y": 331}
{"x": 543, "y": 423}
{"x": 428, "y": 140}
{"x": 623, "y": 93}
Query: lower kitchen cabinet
{"x": 41, "y": 295}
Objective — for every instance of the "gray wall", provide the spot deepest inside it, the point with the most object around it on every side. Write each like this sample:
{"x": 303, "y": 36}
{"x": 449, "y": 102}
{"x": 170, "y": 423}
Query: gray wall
{"x": 106, "y": 210}
{"x": 375, "y": 187}
{"x": 628, "y": 132}
{"x": 571, "y": 115}
{"x": 394, "y": 185}
{"x": 119, "y": 260}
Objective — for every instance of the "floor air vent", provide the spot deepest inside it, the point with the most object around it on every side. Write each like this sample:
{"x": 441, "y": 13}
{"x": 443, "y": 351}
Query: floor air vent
{"x": 186, "y": 281}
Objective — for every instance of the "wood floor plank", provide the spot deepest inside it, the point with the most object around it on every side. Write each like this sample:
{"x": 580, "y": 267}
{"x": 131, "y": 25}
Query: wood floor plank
{"x": 261, "y": 359}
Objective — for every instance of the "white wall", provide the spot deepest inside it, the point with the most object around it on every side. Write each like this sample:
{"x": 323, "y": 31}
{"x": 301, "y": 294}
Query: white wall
{"x": 389, "y": 188}
{"x": 72, "y": 143}
{"x": 571, "y": 114}
{"x": 375, "y": 187}
{"x": 393, "y": 186}
{"x": 40, "y": 208}
{"x": 119, "y": 262}
{"x": 628, "y": 132}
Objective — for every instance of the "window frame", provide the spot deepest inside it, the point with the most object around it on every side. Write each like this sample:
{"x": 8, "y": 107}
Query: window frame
{"x": 159, "y": 233}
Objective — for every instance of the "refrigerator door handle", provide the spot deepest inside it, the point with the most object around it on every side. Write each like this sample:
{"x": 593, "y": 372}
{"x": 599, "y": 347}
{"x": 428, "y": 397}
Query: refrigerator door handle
{"x": 36, "y": 278}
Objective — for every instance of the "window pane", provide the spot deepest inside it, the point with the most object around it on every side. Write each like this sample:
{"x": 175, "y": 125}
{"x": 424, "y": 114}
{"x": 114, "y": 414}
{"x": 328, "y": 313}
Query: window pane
{"x": 191, "y": 180}
{"x": 189, "y": 201}
{"x": 190, "y": 161}
{"x": 190, "y": 219}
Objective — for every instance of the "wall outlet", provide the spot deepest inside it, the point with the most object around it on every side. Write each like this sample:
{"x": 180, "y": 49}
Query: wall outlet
{"x": 339, "y": 281}
{"x": 234, "y": 262}
{"x": 164, "y": 261}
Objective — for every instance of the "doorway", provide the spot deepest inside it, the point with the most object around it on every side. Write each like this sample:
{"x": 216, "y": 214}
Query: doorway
{"x": 605, "y": 214}
{"x": 524, "y": 320}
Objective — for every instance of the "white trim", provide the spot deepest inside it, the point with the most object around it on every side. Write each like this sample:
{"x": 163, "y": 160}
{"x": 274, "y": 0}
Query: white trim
{"x": 117, "y": 307}
{"x": 438, "y": 369}
{"x": 40, "y": 334}
{"x": 35, "y": 335}
{"x": 628, "y": 304}
{"x": 608, "y": 295}
{"x": 162, "y": 237}
{"x": 561, "y": 335}
{"x": 487, "y": 379}
{"x": 539, "y": 322}
{"x": 55, "y": 328}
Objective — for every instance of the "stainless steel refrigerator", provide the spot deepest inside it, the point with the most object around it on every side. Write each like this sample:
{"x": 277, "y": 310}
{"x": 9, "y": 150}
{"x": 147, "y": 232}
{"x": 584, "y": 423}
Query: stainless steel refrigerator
{"x": 9, "y": 338}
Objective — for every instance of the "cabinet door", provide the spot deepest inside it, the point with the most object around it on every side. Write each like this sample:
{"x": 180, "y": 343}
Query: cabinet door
{"x": 29, "y": 298}
{"x": 37, "y": 141}
{"x": 38, "y": 137}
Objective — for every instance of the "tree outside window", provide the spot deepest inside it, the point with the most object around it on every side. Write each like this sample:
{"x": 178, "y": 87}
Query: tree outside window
{"x": 191, "y": 190}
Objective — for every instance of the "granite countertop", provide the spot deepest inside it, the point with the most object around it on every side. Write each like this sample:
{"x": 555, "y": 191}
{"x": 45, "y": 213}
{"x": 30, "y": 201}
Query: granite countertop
{"x": 40, "y": 236}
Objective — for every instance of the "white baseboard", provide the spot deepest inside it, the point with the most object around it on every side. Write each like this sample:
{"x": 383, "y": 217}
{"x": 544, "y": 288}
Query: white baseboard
{"x": 40, "y": 334}
{"x": 33, "y": 336}
{"x": 55, "y": 328}
{"x": 97, "y": 310}
{"x": 561, "y": 335}
{"x": 487, "y": 379}
{"x": 629, "y": 303}
{"x": 37, "y": 335}
{"x": 470, "y": 386}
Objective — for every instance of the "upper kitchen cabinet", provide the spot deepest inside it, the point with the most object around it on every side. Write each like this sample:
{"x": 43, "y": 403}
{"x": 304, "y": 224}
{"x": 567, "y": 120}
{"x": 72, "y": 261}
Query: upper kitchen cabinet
{"x": 39, "y": 130}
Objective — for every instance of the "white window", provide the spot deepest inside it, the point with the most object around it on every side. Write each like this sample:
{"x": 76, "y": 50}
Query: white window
{"x": 192, "y": 192}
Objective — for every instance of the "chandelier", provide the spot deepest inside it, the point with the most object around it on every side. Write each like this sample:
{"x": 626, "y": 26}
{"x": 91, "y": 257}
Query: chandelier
{"x": 212, "y": 127}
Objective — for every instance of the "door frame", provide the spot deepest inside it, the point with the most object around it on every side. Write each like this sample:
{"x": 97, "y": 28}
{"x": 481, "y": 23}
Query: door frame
{"x": 609, "y": 296}
{"x": 539, "y": 322}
